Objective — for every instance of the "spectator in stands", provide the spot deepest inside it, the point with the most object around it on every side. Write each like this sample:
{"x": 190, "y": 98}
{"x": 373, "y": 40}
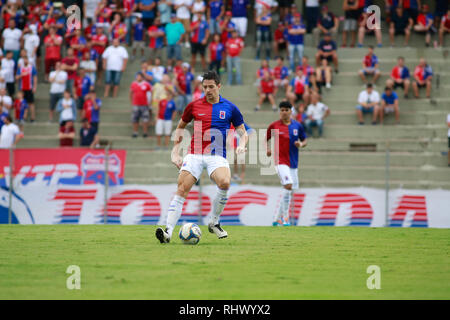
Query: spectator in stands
{"x": 156, "y": 34}
{"x": 352, "y": 13}
{"x": 91, "y": 109}
{"x": 174, "y": 35}
{"x": 215, "y": 12}
{"x": 9, "y": 66}
{"x": 401, "y": 23}
{"x": 327, "y": 23}
{"x": 183, "y": 13}
{"x": 368, "y": 102}
{"x": 99, "y": 43}
{"x": 389, "y": 103}
{"x": 11, "y": 38}
{"x": 316, "y": 113}
{"x": 83, "y": 86}
{"x": 239, "y": 10}
{"x": 147, "y": 9}
{"x": 67, "y": 108}
{"x": 267, "y": 89}
{"x": 89, "y": 66}
{"x": 312, "y": 12}
{"x": 370, "y": 66}
{"x": 444, "y": 28}
{"x": 160, "y": 89}
{"x": 166, "y": 114}
{"x": 183, "y": 86}
{"x": 423, "y": 74}
{"x": 27, "y": 78}
{"x": 448, "y": 135}
{"x": 296, "y": 32}
{"x": 6, "y": 103}
{"x": 425, "y": 24}
{"x": 441, "y": 9}
{"x": 88, "y": 135}
{"x": 58, "y": 79}
{"x": 10, "y": 133}
{"x": 138, "y": 37}
{"x": 263, "y": 34}
{"x": 89, "y": 7}
{"x": 412, "y": 8}
{"x": 198, "y": 7}
{"x": 31, "y": 43}
{"x": 216, "y": 53}
{"x": 199, "y": 38}
{"x": 21, "y": 109}
{"x": 164, "y": 12}
{"x": 70, "y": 64}
{"x": 280, "y": 39}
{"x": 158, "y": 70}
{"x": 234, "y": 47}
{"x": 66, "y": 134}
{"x": 400, "y": 77}
{"x": 324, "y": 75}
{"x": 115, "y": 60}
{"x": 298, "y": 90}
{"x": 327, "y": 49}
{"x": 370, "y": 25}
{"x": 139, "y": 101}
{"x": 78, "y": 43}
{"x": 281, "y": 76}
{"x": 309, "y": 72}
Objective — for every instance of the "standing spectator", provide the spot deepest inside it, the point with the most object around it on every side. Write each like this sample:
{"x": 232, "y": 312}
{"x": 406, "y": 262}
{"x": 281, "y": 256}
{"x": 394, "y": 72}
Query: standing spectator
{"x": 198, "y": 6}
{"x": 444, "y": 28}
{"x": 295, "y": 40}
{"x": 174, "y": 35}
{"x": 99, "y": 43}
{"x": 216, "y": 53}
{"x": 369, "y": 24}
{"x": 328, "y": 50}
{"x": 67, "y": 108}
{"x": 138, "y": 98}
{"x": 370, "y": 66}
{"x": 425, "y": 24}
{"x": 400, "y": 24}
{"x": 11, "y": 37}
{"x": 280, "y": 37}
{"x": 389, "y": 103}
{"x": 183, "y": 86}
{"x": 327, "y": 23}
{"x": 215, "y": 12}
{"x": 423, "y": 74}
{"x": 183, "y": 13}
{"x": 316, "y": 113}
{"x": 199, "y": 37}
{"x": 312, "y": 14}
{"x": 138, "y": 37}
{"x": 369, "y": 102}
{"x": 324, "y": 75}
{"x": 78, "y": 43}
{"x": 148, "y": 15}
{"x": 263, "y": 34}
{"x": 58, "y": 79}
{"x": 89, "y": 7}
{"x": 158, "y": 70}
{"x": 156, "y": 35}
{"x": 27, "y": 77}
{"x": 8, "y": 67}
{"x": 83, "y": 86}
{"x": 6, "y": 103}
{"x": 281, "y": 75}
{"x": 115, "y": 60}
{"x": 239, "y": 10}
{"x": 166, "y": 114}
{"x": 89, "y": 66}
{"x": 164, "y": 10}
{"x": 130, "y": 16}
{"x": 10, "y": 133}
{"x": 21, "y": 109}
{"x": 234, "y": 47}
{"x": 400, "y": 77}
{"x": 31, "y": 43}
{"x": 88, "y": 135}
{"x": 448, "y": 135}
{"x": 352, "y": 13}
{"x": 266, "y": 91}
{"x": 440, "y": 11}
{"x": 118, "y": 29}
{"x": 70, "y": 64}
{"x": 66, "y": 134}
{"x": 91, "y": 109}
{"x": 298, "y": 89}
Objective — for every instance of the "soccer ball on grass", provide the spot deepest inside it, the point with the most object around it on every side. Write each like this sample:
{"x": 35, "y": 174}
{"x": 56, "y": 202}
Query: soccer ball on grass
{"x": 190, "y": 233}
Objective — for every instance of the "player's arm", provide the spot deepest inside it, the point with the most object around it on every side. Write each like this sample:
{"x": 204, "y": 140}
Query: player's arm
{"x": 243, "y": 139}
{"x": 301, "y": 144}
{"x": 175, "y": 155}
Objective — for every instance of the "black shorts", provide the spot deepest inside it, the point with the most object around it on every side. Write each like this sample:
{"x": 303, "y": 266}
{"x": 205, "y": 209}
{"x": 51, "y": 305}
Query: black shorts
{"x": 299, "y": 96}
{"x": 421, "y": 85}
{"x": 449, "y": 142}
{"x": 328, "y": 58}
{"x": 282, "y": 46}
{"x": 399, "y": 32}
{"x": 285, "y": 3}
{"x": 399, "y": 85}
{"x": 198, "y": 48}
{"x": 28, "y": 96}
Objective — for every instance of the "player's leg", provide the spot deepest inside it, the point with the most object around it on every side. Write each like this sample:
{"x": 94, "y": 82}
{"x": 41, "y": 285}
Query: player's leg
{"x": 219, "y": 172}
{"x": 406, "y": 84}
{"x": 428, "y": 88}
{"x": 286, "y": 181}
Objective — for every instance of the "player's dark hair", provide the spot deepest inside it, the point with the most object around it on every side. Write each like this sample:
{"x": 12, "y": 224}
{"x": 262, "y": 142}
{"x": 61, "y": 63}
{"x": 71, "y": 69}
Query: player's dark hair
{"x": 285, "y": 104}
{"x": 211, "y": 75}
{"x": 9, "y": 118}
{"x": 387, "y": 89}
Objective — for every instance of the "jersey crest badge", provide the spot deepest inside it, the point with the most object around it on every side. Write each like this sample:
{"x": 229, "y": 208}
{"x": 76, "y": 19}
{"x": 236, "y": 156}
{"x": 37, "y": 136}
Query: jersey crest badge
{"x": 222, "y": 114}
{"x": 295, "y": 131}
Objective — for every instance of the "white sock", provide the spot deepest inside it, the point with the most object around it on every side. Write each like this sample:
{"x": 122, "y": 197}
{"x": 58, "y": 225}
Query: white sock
{"x": 218, "y": 204}
{"x": 286, "y": 203}
{"x": 279, "y": 213}
{"x": 174, "y": 213}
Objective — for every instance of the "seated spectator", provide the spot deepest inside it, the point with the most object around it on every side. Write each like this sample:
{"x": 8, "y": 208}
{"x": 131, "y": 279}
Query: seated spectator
{"x": 400, "y": 77}
{"x": 324, "y": 75}
{"x": 401, "y": 23}
{"x": 296, "y": 32}
{"x": 174, "y": 34}
{"x": 389, "y": 103}
{"x": 327, "y": 23}
{"x": 368, "y": 102}
{"x": 139, "y": 101}
{"x": 267, "y": 89}
{"x": 115, "y": 60}
{"x": 89, "y": 66}
{"x": 281, "y": 76}
{"x": 216, "y": 53}
{"x": 10, "y": 133}
{"x": 157, "y": 70}
{"x": 444, "y": 28}
{"x": 199, "y": 39}
{"x": 88, "y": 135}
{"x": 215, "y": 12}
{"x": 280, "y": 40}
{"x": 352, "y": 13}
{"x": 370, "y": 67}
{"x": 21, "y": 109}
{"x": 91, "y": 109}
{"x": 316, "y": 113}
{"x": 66, "y": 134}
{"x": 425, "y": 24}
{"x": 138, "y": 37}
{"x": 183, "y": 86}
{"x": 411, "y": 8}
{"x": 263, "y": 34}
{"x": 160, "y": 89}
{"x": 309, "y": 72}
{"x": 260, "y": 72}
{"x": 166, "y": 114}
{"x": 234, "y": 47}
{"x": 67, "y": 108}
{"x": 423, "y": 74}
{"x": 328, "y": 50}
{"x": 370, "y": 25}
{"x": 298, "y": 90}
{"x": 6, "y": 103}
{"x": 440, "y": 10}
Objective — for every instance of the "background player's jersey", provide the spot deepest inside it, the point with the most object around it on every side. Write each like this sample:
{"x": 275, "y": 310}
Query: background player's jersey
{"x": 211, "y": 122}
{"x": 287, "y": 136}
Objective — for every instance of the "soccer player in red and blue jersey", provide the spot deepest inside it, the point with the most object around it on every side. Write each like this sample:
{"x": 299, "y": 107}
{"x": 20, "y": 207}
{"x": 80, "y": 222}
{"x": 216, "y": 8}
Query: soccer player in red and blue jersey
{"x": 212, "y": 117}
{"x": 423, "y": 74}
{"x": 27, "y": 77}
{"x": 289, "y": 136}
{"x": 370, "y": 66}
{"x": 199, "y": 38}
{"x": 400, "y": 76}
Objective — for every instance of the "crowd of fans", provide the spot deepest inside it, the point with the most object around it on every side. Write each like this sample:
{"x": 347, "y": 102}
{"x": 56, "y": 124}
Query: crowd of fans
{"x": 80, "y": 56}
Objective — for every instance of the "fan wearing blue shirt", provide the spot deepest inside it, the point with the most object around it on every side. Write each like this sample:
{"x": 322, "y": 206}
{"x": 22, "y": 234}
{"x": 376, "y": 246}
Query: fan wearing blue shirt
{"x": 389, "y": 103}
{"x": 295, "y": 40}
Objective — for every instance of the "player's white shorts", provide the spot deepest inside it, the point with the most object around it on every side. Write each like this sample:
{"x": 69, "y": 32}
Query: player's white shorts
{"x": 163, "y": 127}
{"x": 195, "y": 163}
{"x": 287, "y": 175}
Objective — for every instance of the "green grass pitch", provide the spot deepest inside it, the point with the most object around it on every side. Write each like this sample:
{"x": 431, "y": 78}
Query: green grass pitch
{"x": 127, "y": 262}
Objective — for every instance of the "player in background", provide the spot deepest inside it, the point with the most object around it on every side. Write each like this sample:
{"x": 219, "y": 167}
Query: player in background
{"x": 212, "y": 116}
{"x": 166, "y": 114}
{"x": 289, "y": 137}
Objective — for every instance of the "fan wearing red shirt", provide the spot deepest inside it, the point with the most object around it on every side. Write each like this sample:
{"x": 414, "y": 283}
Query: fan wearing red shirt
{"x": 267, "y": 88}
{"x": 444, "y": 28}
{"x": 99, "y": 43}
{"x": 70, "y": 64}
{"x": 138, "y": 98}
{"x": 234, "y": 47}
{"x": 52, "y": 43}
{"x": 66, "y": 134}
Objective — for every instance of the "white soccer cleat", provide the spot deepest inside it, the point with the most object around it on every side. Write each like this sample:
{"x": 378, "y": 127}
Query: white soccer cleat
{"x": 217, "y": 229}
{"x": 162, "y": 235}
